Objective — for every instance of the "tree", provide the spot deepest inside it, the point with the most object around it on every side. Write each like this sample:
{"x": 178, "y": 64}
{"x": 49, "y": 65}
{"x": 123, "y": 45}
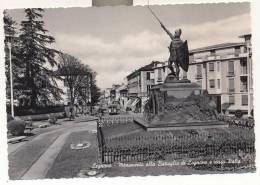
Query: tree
{"x": 95, "y": 91}
{"x": 76, "y": 76}
{"x": 38, "y": 58}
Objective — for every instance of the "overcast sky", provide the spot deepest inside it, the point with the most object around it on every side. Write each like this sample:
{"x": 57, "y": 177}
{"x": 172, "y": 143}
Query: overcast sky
{"x": 114, "y": 41}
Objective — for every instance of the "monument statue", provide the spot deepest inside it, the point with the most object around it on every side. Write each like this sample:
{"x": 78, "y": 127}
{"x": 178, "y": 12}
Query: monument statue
{"x": 178, "y": 104}
{"x": 179, "y": 52}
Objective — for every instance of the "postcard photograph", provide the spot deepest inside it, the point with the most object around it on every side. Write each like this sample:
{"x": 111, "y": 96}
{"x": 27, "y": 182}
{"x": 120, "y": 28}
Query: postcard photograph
{"x": 123, "y": 91}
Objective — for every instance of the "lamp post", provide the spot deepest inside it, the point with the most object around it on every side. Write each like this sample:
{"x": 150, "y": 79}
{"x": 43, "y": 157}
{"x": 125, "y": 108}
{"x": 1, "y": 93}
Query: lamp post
{"x": 9, "y": 44}
{"x": 90, "y": 94}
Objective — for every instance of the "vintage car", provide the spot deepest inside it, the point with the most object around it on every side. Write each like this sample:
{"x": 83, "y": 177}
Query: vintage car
{"x": 113, "y": 109}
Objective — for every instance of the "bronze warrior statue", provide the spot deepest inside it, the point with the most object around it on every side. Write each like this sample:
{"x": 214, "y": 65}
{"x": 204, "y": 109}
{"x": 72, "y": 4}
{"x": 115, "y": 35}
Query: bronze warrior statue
{"x": 179, "y": 54}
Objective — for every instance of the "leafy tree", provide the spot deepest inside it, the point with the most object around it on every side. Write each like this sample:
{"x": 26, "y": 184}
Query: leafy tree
{"x": 39, "y": 86}
{"x": 76, "y": 76}
{"x": 95, "y": 91}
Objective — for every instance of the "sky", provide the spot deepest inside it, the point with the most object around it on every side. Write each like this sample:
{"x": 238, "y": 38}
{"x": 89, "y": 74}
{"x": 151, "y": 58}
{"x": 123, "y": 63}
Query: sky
{"x": 115, "y": 41}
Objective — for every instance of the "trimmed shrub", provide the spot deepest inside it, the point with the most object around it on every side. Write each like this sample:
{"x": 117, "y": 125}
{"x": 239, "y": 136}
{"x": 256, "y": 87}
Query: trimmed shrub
{"x": 52, "y": 119}
{"x": 238, "y": 113}
{"x": 9, "y": 117}
{"x": 22, "y": 111}
{"x": 16, "y": 127}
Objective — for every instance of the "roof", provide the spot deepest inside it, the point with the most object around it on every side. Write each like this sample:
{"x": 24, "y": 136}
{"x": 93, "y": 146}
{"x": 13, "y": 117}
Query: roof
{"x": 148, "y": 67}
{"x": 245, "y": 35}
{"x": 217, "y": 46}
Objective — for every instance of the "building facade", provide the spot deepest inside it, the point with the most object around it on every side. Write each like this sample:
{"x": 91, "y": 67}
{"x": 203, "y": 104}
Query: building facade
{"x": 224, "y": 70}
{"x": 139, "y": 84}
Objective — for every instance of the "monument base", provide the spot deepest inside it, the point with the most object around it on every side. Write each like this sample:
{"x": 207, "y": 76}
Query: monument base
{"x": 179, "y": 126}
{"x": 179, "y": 104}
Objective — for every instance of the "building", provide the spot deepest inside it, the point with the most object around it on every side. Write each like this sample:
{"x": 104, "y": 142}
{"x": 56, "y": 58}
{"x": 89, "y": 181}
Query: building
{"x": 139, "y": 84}
{"x": 122, "y": 92}
{"x": 224, "y": 70}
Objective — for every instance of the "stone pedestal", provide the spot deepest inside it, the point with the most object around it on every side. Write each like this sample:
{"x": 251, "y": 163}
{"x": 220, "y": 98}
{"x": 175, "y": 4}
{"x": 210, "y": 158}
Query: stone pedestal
{"x": 179, "y": 104}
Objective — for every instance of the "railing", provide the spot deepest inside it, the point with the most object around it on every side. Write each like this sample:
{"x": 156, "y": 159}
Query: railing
{"x": 181, "y": 149}
{"x": 164, "y": 145}
{"x": 243, "y": 89}
{"x": 110, "y": 121}
{"x": 159, "y": 80}
{"x": 243, "y": 71}
{"x": 231, "y": 90}
{"x": 230, "y": 73}
{"x": 198, "y": 76}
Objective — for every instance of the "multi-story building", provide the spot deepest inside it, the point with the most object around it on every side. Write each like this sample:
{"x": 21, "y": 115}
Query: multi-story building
{"x": 139, "y": 85}
{"x": 224, "y": 70}
{"x": 121, "y": 92}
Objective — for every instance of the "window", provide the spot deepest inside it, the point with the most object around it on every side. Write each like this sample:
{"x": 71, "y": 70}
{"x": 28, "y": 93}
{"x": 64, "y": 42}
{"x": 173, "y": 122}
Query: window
{"x": 213, "y": 52}
{"x": 218, "y": 66}
{"x": 231, "y": 99}
{"x": 191, "y": 58}
{"x": 243, "y": 67}
{"x": 218, "y": 83}
{"x": 244, "y": 100}
{"x": 211, "y": 66}
{"x": 243, "y": 84}
{"x": 231, "y": 71}
{"x": 199, "y": 71}
{"x": 237, "y": 50}
{"x": 231, "y": 85}
{"x": 148, "y": 88}
{"x": 159, "y": 75}
{"x": 212, "y": 83}
{"x": 148, "y": 76}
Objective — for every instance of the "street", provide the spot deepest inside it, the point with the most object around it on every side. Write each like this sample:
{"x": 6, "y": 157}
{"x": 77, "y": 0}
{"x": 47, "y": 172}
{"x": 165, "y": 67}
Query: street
{"x": 40, "y": 150}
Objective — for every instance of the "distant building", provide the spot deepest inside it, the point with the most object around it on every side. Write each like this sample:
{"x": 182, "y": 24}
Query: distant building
{"x": 139, "y": 85}
{"x": 224, "y": 70}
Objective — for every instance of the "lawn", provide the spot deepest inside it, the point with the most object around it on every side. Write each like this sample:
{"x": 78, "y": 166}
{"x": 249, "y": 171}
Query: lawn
{"x": 69, "y": 162}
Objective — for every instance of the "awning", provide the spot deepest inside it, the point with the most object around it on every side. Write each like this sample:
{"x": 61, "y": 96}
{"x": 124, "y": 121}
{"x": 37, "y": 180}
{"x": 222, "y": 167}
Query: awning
{"x": 129, "y": 102}
{"x": 135, "y": 102}
{"x": 145, "y": 100}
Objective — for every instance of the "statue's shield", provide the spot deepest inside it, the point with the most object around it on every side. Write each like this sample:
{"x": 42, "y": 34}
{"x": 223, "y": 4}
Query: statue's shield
{"x": 183, "y": 56}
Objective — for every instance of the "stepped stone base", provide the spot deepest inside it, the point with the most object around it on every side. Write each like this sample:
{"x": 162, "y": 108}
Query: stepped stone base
{"x": 179, "y": 126}
{"x": 179, "y": 104}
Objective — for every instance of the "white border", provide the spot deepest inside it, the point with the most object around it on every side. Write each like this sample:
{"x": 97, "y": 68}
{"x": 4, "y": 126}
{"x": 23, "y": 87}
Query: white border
{"x": 229, "y": 179}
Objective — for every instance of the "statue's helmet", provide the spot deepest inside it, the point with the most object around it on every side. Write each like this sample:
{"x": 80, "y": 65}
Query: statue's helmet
{"x": 177, "y": 33}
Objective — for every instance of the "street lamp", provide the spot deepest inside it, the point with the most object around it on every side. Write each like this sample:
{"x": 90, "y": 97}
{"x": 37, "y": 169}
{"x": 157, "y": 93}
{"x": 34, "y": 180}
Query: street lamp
{"x": 9, "y": 44}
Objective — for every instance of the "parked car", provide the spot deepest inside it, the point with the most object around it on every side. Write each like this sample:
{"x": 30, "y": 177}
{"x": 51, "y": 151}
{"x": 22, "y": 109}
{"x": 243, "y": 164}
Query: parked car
{"x": 113, "y": 109}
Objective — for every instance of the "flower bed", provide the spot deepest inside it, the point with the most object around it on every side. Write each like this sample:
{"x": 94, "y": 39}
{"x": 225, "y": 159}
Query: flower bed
{"x": 178, "y": 144}
{"x": 238, "y": 122}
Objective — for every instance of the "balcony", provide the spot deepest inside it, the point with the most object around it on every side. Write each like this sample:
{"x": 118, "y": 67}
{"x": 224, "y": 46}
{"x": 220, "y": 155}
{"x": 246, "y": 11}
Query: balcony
{"x": 230, "y": 73}
{"x": 198, "y": 76}
{"x": 243, "y": 72}
{"x": 243, "y": 89}
{"x": 231, "y": 90}
{"x": 243, "y": 55}
{"x": 150, "y": 81}
{"x": 159, "y": 80}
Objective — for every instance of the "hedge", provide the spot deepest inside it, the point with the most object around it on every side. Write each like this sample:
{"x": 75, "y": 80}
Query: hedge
{"x": 22, "y": 111}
